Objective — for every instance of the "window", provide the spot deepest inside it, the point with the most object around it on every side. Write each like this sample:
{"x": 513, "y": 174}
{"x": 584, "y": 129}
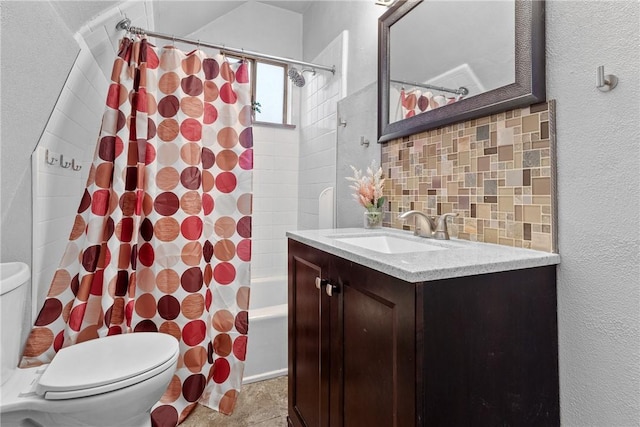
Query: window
{"x": 269, "y": 91}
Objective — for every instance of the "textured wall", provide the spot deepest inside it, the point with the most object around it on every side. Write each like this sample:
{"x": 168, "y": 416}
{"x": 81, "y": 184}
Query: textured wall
{"x": 34, "y": 68}
{"x": 598, "y": 193}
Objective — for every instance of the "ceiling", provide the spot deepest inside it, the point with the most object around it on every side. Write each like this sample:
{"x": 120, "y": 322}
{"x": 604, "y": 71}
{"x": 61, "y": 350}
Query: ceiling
{"x": 179, "y": 17}
{"x": 196, "y": 14}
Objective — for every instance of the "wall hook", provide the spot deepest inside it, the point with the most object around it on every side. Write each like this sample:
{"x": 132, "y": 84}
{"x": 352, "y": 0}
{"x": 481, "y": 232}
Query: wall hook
{"x": 364, "y": 142}
{"x": 605, "y": 83}
{"x": 342, "y": 122}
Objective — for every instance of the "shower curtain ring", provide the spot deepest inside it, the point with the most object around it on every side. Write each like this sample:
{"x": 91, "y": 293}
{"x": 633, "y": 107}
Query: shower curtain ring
{"x": 198, "y": 46}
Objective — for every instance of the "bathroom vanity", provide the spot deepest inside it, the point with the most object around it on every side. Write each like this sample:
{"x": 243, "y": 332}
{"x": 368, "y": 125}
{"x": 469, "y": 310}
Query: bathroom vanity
{"x": 419, "y": 332}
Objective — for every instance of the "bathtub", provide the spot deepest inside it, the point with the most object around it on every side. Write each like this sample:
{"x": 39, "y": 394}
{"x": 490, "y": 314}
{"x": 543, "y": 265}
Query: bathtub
{"x": 267, "y": 338}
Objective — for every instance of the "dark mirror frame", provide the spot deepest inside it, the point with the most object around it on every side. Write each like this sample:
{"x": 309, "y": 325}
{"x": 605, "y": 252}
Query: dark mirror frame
{"x": 529, "y": 87}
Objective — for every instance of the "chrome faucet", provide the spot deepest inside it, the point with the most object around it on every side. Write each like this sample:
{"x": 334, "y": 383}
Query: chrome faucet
{"x": 426, "y": 226}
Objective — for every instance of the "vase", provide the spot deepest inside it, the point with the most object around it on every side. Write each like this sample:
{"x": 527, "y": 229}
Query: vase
{"x": 373, "y": 218}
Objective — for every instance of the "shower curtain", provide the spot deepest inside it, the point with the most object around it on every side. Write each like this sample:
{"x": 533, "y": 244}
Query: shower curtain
{"x": 161, "y": 240}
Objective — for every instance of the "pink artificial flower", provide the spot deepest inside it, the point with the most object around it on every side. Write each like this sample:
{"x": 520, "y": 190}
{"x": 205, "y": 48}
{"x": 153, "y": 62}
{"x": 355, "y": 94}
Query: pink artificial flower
{"x": 368, "y": 189}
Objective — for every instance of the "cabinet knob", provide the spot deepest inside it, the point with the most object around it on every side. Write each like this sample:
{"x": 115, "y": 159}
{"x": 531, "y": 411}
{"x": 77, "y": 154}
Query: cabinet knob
{"x": 332, "y": 289}
{"x": 320, "y": 283}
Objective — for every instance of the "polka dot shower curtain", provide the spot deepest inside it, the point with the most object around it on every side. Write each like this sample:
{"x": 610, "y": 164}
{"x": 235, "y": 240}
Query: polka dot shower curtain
{"x": 161, "y": 240}
{"x": 416, "y": 101}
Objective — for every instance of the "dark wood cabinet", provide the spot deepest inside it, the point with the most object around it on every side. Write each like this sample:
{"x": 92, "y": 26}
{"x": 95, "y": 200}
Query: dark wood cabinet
{"x": 309, "y": 346}
{"x": 379, "y": 351}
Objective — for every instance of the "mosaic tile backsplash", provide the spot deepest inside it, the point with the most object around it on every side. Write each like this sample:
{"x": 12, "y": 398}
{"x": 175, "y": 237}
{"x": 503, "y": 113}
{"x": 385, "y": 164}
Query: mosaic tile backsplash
{"x": 497, "y": 172}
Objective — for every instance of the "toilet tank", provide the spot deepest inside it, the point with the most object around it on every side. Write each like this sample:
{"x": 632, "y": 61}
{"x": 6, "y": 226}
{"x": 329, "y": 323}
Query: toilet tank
{"x": 14, "y": 277}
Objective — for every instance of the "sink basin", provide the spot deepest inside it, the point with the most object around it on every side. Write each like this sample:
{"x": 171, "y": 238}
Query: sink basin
{"x": 390, "y": 244}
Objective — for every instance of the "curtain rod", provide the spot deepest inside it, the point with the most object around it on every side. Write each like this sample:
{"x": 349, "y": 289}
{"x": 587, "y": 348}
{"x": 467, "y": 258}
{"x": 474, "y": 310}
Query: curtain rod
{"x": 125, "y": 25}
{"x": 460, "y": 91}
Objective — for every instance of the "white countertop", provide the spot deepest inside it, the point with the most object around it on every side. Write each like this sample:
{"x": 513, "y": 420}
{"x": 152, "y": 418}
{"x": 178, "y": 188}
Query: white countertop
{"x": 460, "y": 258}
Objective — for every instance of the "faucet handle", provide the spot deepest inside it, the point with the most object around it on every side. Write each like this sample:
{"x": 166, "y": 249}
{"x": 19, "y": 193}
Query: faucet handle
{"x": 441, "y": 232}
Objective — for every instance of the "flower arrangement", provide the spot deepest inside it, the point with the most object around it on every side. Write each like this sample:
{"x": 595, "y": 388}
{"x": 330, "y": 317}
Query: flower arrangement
{"x": 368, "y": 188}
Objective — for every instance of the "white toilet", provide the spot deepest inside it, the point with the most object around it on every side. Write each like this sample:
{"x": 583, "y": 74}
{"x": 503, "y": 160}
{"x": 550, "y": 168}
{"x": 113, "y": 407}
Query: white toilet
{"x": 110, "y": 381}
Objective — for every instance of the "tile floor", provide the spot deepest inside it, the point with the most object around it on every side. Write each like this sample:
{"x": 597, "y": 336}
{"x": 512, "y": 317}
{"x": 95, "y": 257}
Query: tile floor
{"x": 261, "y": 404}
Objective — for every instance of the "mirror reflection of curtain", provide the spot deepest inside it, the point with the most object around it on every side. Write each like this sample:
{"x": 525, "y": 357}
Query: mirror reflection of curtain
{"x": 162, "y": 238}
{"x": 416, "y": 101}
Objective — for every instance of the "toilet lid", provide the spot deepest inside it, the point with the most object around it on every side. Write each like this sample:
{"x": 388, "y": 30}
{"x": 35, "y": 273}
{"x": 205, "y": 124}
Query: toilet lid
{"x": 107, "y": 364}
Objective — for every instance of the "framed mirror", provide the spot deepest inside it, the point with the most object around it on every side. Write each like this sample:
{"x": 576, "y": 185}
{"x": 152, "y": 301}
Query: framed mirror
{"x": 446, "y": 61}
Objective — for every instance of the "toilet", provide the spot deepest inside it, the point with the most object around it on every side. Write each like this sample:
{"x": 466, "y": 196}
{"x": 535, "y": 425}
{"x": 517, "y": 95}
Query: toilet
{"x": 86, "y": 384}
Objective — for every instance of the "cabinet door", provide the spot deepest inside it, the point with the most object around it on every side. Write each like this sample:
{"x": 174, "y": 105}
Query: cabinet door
{"x": 373, "y": 348}
{"x": 308, "y": 337}
{"x": 490, "y": 350}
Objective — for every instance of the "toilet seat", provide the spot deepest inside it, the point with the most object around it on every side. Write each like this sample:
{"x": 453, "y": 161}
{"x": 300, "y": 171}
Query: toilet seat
{"x": 107, "y": 364}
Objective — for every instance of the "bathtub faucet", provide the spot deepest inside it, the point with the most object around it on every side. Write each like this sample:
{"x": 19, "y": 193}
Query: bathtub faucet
{"x": 428, "y": 226}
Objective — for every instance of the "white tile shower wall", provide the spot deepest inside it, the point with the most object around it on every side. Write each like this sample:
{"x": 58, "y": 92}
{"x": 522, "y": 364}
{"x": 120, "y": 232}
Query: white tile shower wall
{"x": 60, "y": 166}
{"x": 69, "y": 139}
{"x": 318, "y": 134}
{"x": 275, "y": 198}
